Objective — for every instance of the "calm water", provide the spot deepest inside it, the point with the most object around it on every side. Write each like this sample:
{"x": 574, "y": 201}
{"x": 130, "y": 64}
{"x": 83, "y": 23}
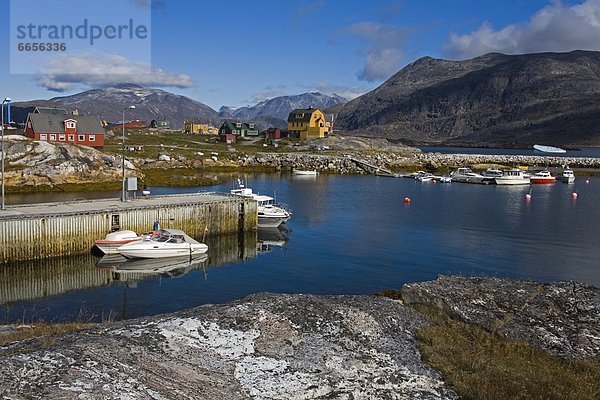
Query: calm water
{"x": 348, "y": 234}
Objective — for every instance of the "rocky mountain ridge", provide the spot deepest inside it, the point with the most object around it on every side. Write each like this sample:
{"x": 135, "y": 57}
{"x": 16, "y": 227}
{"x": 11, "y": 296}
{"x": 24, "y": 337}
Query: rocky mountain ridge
{"x": 492, "y": 100}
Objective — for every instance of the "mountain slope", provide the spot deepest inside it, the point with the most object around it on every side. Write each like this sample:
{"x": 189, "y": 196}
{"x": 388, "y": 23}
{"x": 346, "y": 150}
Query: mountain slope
{"x": 108, "y": 103}
{"x": 494, "y": 99}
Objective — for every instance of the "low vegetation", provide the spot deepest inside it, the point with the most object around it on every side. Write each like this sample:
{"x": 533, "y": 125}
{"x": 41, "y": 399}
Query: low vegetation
{"x": 479, "y": 364}
{"x": 23, "y": 332}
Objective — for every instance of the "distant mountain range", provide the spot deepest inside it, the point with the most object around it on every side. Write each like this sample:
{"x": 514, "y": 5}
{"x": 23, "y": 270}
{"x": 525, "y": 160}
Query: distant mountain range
{"x": 155, "y": 104}
{"x": 280, "y": 107}
{"x": 492, "y": 100}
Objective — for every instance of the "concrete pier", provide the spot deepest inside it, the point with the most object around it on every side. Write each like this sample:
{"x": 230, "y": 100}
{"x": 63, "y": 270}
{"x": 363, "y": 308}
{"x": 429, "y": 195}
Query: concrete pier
{"x": 57, "y": 229}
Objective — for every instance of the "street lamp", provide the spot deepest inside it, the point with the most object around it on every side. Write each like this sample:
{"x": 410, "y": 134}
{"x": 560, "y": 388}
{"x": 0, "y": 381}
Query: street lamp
{"x": 5, "y": 101}
{"x": 124, "y": 194}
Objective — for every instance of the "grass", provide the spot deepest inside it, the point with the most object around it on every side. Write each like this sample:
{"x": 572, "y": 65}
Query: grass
{"x": 176, "y": 177}
{"x": 41, "y": 330}
{"x": 480, "y": 364}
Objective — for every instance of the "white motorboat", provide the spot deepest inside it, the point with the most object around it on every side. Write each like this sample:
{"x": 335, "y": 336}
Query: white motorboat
{"x": 162, "y": 244}
{"x": 445, "y": 179}
{"x": 114, "y": 240}
{"x": 513, "y": 176}
{"x": 424, "y": 177}
{"x": 490, "y": 174}
{"x": 567, "y": 175}
{"x": 548, "y": 149}
{"x": 466, "y": 175}
{"x": 270, "y": 214}
{"x": 542, "y": 177}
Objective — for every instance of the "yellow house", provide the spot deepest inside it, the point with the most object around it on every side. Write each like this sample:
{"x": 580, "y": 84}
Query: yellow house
{"x": 199, "y": 127}
{"x": 307, "y": 123}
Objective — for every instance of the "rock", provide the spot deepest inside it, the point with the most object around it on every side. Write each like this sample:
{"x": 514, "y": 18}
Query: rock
{"x": 265, "y": 346}
{"x": 562, "y": 318}
{"x": 164, "y": 157}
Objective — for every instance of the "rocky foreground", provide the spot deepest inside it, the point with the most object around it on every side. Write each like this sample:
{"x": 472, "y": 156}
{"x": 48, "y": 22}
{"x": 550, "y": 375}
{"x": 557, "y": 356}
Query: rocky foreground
{"x": 270, "y": 346}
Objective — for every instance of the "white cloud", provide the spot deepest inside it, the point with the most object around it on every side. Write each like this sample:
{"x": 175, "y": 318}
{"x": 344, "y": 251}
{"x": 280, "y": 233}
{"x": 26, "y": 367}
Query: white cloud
{"x": 267, "y": 93}
{"x": 554, "y": 28}
{"x": 70, "y": 71}
{"x": 382, "y": 51}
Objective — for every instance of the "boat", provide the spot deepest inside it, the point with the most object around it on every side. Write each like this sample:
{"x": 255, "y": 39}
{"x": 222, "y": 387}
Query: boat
{"x": 548, "y": 149}
{"x": 490, "y": 174}
{"x": 424, "y": 177}
{"x": 114, "y": 240}
{"x": 304, "y": 172}
{"x": 513, "y": 176}
{"x": 466, "y": 175}
{"x": 445, "y": 179}
{"x": 542, "y": 177}
{"x": 567, "y": 175}
{"x": 164, "y": 243}
{"x": 270, "y": 213}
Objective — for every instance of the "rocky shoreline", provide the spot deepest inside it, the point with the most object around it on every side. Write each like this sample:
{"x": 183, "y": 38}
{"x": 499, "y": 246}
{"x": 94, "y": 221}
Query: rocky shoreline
{"x": 41, "y": 164}
{"x": 276, "y": 346}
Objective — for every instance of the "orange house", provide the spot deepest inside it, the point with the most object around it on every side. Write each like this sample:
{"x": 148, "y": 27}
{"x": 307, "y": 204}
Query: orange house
{"x": 56, "y": 125}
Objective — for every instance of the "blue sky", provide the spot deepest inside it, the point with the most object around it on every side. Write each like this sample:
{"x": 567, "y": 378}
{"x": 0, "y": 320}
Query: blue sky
{"x": 241, "y": 52}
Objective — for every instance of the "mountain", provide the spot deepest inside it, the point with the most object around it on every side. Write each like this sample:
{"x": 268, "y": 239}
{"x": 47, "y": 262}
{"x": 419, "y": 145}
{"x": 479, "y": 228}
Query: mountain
{"x": 109, "y": 103}
{"x": 278, "y": 108}
{"x": 492, "y": 100}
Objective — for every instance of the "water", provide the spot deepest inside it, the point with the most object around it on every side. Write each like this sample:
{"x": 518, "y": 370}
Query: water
{"x": 590, "y": 152}
{"x": 349, "y": 235}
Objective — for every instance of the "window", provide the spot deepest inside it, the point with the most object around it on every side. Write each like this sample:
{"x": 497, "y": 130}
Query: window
{"x": 71, "y": 138}
{"x": 52, "y": 137}
{"x": 71, "y": 125}
{"x": 61, "y": 138}
{"x": 92, "y": 138}
{"x": 43, "y": 136}
{"x": 81, "y": 138}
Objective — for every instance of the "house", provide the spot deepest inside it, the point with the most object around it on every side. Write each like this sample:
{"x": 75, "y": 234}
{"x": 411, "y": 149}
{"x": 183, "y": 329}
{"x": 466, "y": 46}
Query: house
{"x": 159, "y": 124}
{"x": 57, "y": 125}
{"x": 239, "y": 129}
{"x": 273, "y": 133}
{"x": 228, "y": 138}
{"x": 307, "y": 123}
{"x": 194, "y": 126}
{"x": 329, "y": 123}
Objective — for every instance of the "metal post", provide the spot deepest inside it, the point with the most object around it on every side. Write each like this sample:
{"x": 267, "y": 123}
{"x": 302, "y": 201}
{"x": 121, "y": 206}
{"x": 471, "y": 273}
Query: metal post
{"x": 124, "y": 193}
{"x": 6, "y": 100}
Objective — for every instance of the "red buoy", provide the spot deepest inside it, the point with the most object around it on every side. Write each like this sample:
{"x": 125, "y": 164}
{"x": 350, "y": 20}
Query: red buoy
{"x": 527, "y": 196}
{"x": 574, "y": 195}
{"x": 407, "y": 200}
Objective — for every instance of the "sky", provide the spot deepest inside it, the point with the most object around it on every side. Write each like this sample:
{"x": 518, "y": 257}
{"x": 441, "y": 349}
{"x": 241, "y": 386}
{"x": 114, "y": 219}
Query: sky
{"x": 237, "y": 53}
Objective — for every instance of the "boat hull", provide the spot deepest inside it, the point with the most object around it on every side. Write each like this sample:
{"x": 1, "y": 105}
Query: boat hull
{"x": 567, "y": 179}
{"x": 513, "y": 181}
{"x": 110, "y": 247}
{"x": 543, "y": 181}
{"x": 144, "y": 251}
{"x": 270, "y": 222}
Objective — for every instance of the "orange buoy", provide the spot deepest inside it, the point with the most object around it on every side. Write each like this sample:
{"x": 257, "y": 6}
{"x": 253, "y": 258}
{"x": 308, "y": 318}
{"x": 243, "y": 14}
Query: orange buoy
{"x": 407, "y": 200}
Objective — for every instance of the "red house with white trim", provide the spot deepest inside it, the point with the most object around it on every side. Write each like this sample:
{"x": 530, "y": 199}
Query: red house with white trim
{"x": 57, "y": 125}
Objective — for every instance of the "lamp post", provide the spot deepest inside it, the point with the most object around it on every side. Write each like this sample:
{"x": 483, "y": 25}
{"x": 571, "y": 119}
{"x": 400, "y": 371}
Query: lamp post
{"x": 6, "y": 100}
{"x": 124, "y": 193}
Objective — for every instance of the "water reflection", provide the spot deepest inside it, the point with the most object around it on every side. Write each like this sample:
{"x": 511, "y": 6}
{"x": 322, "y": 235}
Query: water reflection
{"x": 269, "y": 238}
{"x": 30, "y": 280}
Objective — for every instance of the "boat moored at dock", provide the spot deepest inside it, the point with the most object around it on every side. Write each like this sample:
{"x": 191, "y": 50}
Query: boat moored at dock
{"x": 513, "y": 176}
{"x": 164, "y": 243}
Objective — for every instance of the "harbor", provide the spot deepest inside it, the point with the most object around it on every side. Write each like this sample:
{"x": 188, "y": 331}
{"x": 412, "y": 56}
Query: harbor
{"x": 45, "y": 230}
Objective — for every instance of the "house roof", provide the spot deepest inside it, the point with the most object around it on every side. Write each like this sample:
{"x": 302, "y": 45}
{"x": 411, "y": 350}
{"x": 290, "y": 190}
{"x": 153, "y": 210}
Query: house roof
{"x": 232, "y": 125}
{"x": 301, "y": 114}
{"x": 53, "y": 123}
{"x": 50, "y": 110}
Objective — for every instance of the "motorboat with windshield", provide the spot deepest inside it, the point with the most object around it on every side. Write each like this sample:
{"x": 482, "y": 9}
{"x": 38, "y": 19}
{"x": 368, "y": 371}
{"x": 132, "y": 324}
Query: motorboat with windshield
{"x": 270, "y": 213}
{"x": 466, "y": 175}
{"x": 164, "y": 243}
